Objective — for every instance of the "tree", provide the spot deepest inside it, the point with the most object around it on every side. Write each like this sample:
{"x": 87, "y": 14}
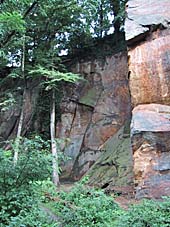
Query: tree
{"x": 52, "y": 77}
{"x": 97, "y": 17}
{"x": 21, "y": 118}
{"x": 42, "y": 31}
{"x": 51, "y": 20}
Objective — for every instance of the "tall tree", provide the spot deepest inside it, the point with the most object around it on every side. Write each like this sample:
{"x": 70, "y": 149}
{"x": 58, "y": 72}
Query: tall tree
{"x": 21, "y": 118}
{"x": 52, "y": 78}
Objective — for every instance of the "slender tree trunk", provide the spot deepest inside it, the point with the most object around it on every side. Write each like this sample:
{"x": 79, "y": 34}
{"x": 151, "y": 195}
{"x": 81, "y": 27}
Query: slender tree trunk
{"x": 115, "y": 4}
{"x": 18, "y": 137}
{"x": 21, "y": 118}
{"x": 101, "y": 19}
{"x": 53, "y": 143}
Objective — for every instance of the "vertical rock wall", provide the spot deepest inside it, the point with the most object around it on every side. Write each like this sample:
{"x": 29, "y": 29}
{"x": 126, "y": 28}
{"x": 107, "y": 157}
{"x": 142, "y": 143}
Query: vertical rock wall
{"x": 148, "y": 38}
{"x": 9, "y": 119}
{"x": 96, "y": 112}
{"x": 100, "y": 143}
{"x": 99, "y": 108}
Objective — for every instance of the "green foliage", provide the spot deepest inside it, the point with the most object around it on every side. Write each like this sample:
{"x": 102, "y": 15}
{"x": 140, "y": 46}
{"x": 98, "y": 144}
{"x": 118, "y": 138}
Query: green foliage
{"x": 53, "y": 25}
{"x": 24, "y": 186}
{"x": 149, "y": 213}
{"x": 85, "y": 206}
{"x": 62, "y": 157}
{"x": 17, "y": 182}
{"x": 118, "y": 8}
{"x": 7, "y": 102}
{"x": 10, "y": 21}
{"x": 52, "y": 76}
{"x": 45, "y": 190}
{"x": 3, "y": 58}
{"x": 96, "y": 16}
{"x": 34, "y": 218}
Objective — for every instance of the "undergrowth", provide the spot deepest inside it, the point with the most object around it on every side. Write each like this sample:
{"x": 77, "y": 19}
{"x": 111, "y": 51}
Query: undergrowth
{"x": 148, "y": 213}
{"x": 85, "y": 206}
{"x": 19, "y": 184}
{"x": 25, "y": 189}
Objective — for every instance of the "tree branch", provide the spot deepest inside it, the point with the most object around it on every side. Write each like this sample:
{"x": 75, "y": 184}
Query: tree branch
{"x": 30, "y": 9}
{"x": 12, "y": 33}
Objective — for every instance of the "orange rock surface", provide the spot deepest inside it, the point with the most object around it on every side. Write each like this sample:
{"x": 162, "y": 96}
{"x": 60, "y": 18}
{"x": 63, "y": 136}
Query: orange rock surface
{"x": 149, "y": 66}
{"x": 100, "y": 107}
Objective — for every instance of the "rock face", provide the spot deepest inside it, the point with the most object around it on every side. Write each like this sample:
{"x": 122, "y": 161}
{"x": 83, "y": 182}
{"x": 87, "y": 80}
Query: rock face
{"x": 95, "y": 118}
{"x": 148, "y": 38}
{"x": 151, "y": 150}
{"x": 9, "y": 119}
{"x": 149, "y": 67}
{"x": 100, "y": 107}
{"x": 114, "y": 168}
{"x": 73, "y": 125}
{"x": 96, "y": 112}
{"x": 145, "y": 16}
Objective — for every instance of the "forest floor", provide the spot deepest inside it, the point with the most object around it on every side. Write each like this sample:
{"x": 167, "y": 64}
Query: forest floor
{"x": 124, "y": 200}
{"x": 80, "y": 199}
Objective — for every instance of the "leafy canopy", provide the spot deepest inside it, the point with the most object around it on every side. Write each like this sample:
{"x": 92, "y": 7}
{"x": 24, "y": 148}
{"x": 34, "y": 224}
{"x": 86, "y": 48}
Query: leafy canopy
{"x": 52, "y": 23}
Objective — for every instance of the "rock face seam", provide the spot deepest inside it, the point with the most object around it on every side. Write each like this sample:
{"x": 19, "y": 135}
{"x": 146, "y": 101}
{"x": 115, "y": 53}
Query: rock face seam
{"x": 107, "y": 94}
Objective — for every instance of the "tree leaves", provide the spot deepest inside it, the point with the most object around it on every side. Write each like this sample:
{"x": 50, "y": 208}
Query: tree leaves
{"x": 12, "y": 21}
{"x": 52, "y": 77}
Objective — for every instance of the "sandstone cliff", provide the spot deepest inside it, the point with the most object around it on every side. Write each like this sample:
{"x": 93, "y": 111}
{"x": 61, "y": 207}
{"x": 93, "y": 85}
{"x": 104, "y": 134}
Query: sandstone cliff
{"x": 148, "y": 38}
{"x": 97, "y": 118}
{"x": 129, "y": 85}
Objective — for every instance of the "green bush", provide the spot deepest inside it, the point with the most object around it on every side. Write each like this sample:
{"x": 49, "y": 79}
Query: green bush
{"x": 85, "y": 207}
{"x": 148, "y": 213}
{"x": 34, "y": 218}
{"x": 25, "y": 185}
{"x": 18, "y": 188}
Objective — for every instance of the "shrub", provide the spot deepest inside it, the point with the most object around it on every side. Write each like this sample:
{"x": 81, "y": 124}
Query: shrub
{"x": 17, "y": 182}
{"x": 34, "y": 218}
{"x": 148, "y": 213}
{"x": 88, "y": 207}
{"x": 85, "y": 207}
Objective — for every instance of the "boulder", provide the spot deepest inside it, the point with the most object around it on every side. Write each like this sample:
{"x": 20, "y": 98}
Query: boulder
{"x": 150, "y": 132}
{"x": 143, "y": 16}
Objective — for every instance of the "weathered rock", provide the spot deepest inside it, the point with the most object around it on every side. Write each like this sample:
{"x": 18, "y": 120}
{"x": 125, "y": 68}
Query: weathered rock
{"x": 112, "y": 108}
{"x": 149, "y": 66}
{"x": 9, "y": 118}
{"x": 148, "y": 37}
{"x": 151, "y": 117}
{"x": 104, "y": 99}
{"x": 114, "y": 168}
{"x": 73, "y": 126}
{"x": 151, "y": 150}
{"x": 145, "y": 15}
